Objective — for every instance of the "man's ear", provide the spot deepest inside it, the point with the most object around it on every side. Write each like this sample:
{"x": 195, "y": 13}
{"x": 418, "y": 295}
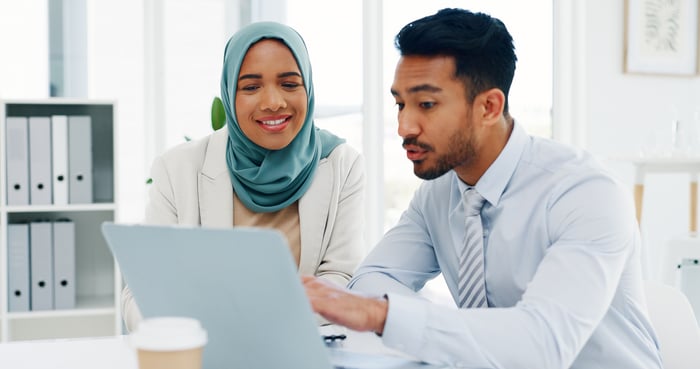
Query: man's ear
{"x": 491, "y": 103}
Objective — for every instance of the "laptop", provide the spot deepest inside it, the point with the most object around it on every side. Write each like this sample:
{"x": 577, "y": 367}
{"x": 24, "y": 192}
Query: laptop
{"x": 240, "y": 283}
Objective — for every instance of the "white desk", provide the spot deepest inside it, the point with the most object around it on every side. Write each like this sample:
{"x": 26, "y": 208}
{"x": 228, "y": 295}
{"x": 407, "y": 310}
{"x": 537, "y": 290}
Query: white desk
{"x": 115, "y": 353}
{"x": 103, "y": 352}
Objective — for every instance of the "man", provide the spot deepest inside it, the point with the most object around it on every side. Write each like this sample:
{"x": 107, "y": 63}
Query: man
{"x": 538, "y": 245}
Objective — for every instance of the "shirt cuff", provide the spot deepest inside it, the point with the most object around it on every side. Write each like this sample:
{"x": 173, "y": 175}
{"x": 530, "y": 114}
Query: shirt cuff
{"x": 405, "y": 322}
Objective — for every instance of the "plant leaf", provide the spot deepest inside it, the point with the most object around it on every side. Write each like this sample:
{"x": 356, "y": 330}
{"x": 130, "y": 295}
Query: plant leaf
{"x": 218, "y": 115}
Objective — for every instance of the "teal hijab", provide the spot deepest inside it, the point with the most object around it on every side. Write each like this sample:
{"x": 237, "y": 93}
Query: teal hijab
{"x": 270, "y": 180}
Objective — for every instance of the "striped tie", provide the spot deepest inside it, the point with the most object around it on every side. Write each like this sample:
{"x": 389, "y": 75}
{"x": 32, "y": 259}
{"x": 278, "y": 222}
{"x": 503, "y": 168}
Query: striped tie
{"x": 472, "y": 290}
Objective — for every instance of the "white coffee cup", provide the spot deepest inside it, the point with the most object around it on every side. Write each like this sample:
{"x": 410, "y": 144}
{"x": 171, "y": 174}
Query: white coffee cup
{"x": 169, "y": 343}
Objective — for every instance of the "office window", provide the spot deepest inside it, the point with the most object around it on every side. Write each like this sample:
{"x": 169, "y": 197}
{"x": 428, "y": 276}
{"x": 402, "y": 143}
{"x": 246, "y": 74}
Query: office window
{"x": 335, "y": 47}
{"x": 163, "y": 75}
{"x": 194, "y": 57}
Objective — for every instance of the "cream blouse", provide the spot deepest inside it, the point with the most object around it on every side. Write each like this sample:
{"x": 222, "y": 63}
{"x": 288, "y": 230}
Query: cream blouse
{"x": 285, "y": 221}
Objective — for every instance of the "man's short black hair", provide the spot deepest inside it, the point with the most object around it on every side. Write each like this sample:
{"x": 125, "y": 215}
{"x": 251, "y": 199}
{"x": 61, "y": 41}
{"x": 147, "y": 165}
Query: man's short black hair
{"x": 480, "y": 44}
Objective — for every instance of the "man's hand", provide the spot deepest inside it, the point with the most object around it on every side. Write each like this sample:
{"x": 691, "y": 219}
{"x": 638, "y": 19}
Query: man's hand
{"x": 343, "y": 307}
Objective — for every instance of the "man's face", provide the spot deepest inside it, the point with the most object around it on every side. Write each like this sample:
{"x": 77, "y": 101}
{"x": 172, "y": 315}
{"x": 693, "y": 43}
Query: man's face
{"x": 434, "y": 116}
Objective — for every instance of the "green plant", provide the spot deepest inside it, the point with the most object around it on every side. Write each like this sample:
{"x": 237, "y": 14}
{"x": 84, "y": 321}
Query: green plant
{"x": 218, "y": 115}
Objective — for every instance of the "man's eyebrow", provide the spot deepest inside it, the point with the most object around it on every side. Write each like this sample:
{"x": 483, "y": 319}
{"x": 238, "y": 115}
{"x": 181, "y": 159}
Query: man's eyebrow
{"x": 424, "y": 88}
{"x": 420, "y": 88}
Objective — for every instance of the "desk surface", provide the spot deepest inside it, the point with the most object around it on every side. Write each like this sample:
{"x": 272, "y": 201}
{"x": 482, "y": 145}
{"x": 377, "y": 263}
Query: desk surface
{"x": 100, "y": 352}
{"x": 114, "y": 352}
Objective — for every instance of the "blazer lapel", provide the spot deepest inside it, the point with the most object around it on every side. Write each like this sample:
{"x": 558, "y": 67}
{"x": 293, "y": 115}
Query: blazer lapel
{"x": 313, "y": 217}
{"x": 215, "y": 189}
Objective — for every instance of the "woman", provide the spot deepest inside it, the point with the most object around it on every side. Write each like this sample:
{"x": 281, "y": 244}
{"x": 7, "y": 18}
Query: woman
{"x": 271, "y": 167}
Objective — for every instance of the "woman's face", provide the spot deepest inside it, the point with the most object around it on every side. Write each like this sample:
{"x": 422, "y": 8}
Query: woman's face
{"x": 271, "y": 101}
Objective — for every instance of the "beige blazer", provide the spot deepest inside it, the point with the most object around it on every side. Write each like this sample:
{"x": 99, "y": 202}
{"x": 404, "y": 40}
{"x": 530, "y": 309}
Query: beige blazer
{"x": 191, "y": 186}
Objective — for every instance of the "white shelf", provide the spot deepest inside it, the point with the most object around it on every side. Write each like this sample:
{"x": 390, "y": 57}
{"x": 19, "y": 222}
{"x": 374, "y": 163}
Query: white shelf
{"x": 98, "y": 281}
{"x": 62, "y": 208}
{"x": 85, "y": 306}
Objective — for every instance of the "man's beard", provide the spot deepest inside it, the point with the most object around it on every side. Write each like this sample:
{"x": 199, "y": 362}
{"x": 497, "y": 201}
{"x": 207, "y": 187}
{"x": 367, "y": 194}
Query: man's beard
{"x": 460, "y": 151}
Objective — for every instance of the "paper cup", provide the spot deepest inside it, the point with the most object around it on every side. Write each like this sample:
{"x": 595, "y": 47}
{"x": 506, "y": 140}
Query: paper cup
{"x": 169, "y": 343}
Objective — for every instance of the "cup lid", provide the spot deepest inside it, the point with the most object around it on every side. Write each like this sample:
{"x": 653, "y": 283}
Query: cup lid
{"x": 168, "y": 334}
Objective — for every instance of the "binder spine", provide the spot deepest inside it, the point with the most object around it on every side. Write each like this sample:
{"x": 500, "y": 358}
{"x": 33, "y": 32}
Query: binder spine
{"x": 18, "y": 267}
{"x": 17, "y": 159}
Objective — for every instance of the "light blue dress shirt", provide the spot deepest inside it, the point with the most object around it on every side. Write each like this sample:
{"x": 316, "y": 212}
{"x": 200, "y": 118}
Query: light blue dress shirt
{"x": 562, "y": 267}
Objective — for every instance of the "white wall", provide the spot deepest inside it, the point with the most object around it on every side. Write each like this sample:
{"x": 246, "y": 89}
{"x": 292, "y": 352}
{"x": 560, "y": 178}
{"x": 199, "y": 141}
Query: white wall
{"x": 24, "y": 61}
{"x": 622, "y": 110}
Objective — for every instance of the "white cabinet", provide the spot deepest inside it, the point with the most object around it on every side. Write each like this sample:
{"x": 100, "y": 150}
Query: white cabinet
{"x": 97, "y": 279}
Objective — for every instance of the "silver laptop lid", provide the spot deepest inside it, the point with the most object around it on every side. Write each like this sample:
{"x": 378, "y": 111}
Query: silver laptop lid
{"x": 241, "y": 283}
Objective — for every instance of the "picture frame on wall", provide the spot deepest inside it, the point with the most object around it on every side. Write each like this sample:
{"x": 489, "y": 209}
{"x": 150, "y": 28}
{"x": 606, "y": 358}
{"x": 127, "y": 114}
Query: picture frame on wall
{"x": 661, "y": 37}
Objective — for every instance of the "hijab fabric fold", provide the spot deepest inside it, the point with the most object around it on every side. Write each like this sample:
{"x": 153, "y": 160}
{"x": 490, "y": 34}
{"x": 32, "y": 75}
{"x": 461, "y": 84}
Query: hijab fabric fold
{"x": 270, "y": 180}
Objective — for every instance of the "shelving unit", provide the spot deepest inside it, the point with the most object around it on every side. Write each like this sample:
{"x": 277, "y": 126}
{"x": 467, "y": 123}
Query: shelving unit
{"x": 97, "y": 278}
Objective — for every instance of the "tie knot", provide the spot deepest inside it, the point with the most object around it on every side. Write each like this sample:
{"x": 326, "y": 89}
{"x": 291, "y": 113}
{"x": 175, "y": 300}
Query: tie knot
{"x": 473, "y": 202}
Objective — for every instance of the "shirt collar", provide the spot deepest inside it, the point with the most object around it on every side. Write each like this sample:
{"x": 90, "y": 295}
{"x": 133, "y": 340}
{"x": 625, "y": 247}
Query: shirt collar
{"x": 493, "y": 183}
